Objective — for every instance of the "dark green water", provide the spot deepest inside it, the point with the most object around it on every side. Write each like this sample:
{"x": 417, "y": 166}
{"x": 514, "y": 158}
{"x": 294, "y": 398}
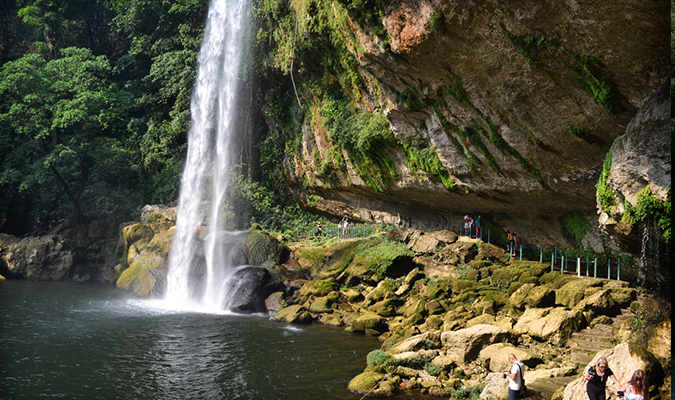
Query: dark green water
{"x": 92, "y": 341}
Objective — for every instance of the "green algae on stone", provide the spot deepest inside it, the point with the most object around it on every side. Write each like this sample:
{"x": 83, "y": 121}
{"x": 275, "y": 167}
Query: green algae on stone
{"x": 295, "y": 314}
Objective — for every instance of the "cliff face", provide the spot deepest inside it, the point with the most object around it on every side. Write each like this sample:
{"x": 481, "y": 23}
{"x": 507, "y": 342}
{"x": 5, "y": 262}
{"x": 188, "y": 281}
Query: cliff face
{"x": 520, "y": 101}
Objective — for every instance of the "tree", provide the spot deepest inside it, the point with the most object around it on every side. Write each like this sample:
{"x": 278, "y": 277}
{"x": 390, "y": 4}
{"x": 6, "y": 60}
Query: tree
{"x": 62, "y": 125}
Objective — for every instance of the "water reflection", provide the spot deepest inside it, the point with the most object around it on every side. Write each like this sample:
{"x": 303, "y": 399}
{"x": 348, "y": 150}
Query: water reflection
{"x": 90, "y": 341}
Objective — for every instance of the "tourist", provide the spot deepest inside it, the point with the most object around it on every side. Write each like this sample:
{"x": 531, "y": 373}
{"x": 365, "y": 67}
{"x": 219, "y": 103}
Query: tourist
{"x": 517, "y": 242}
{"x": 515, "y": 376}
{"x": 346, "y": 226}
{"x": 399, "y": 221}
{"x": 597, "y": 377}
{"x": 319, "y": 229}
{"x": 510, "y": 247}
{"x": 635, "y": 389}
{"x": 467, "y": 225}
{"x": 479, "y": 228}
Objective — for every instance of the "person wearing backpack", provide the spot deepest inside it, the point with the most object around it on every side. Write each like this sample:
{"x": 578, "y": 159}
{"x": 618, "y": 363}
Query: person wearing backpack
{"x": 517, "y": 388}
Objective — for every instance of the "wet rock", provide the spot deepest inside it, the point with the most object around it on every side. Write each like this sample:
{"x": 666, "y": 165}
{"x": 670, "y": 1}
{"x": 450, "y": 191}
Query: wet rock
{"x": 295, "y": 314}
{"x": 275, "y": 302}
{"x": 365, "y": 382}
{"x": 247, "y": 288}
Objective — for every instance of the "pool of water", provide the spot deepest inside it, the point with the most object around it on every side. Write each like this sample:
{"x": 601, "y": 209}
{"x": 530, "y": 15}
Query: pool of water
{"x": 92, "y": 341}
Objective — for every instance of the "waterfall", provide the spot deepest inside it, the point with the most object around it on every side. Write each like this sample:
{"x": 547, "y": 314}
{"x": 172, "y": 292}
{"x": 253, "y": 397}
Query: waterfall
{"x": 204, "y": 182}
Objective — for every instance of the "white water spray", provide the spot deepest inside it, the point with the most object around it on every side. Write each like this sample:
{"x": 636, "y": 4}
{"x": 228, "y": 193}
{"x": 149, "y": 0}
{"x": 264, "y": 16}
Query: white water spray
{"x": 204, "y": 182}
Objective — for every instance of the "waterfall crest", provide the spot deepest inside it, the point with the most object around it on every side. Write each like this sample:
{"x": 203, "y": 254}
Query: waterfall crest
{"x": 197, "y": 268}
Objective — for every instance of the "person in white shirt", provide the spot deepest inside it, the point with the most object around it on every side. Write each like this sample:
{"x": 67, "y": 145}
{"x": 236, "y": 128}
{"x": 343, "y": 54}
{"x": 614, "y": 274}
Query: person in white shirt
{"x": 515, "y": 377}
{"x": 635, "y": 389}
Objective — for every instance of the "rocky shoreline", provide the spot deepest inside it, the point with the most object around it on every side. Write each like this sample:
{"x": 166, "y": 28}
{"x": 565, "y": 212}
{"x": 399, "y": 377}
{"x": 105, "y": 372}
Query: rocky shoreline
{"x": 447, "y": 309}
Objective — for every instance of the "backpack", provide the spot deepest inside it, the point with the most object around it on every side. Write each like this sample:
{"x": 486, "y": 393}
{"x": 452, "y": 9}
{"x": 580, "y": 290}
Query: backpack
{"x": 523, "y": 388}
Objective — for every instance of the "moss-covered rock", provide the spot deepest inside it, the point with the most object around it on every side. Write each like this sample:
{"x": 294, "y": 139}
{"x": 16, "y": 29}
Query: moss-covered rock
{"x": 369, "y": 323}
{"x": 324, "y": 304}
{"x": 376, "y": 259}
{"x": 384, "y": 289}
{"x": 275, "y": 302}
{"x": 332, "y": 318}
{"x": 518, "y": 297}
{"x": 133, "y": 233}
{"x": 574, "y": 291}
{"x": 365, "y": 382}
{"x": 295, "y": 314}
{"x": 263, "y": 249}
{"x": 146, "y": 274}
{"x": 318, "y": 288}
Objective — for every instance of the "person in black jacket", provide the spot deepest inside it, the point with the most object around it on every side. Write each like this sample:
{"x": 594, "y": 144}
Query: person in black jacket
{"x": 597, "y": 377}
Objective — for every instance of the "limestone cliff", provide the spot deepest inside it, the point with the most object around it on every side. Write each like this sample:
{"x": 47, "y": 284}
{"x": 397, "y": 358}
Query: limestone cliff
{"x": 519, "y": 101}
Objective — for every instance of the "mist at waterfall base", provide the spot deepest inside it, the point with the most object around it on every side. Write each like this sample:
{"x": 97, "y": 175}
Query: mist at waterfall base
{"x": 91, "y": 341}
{"x": 199, "y": 264}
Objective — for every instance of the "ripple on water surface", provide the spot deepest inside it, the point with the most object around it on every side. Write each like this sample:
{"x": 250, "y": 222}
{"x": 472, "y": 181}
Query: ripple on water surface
{"x": 92, "y": 341}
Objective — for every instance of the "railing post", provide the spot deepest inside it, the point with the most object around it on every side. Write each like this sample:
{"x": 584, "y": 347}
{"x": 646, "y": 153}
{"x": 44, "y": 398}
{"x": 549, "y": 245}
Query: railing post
{"x": 541, "y": 253}
{"x": 488, "y": 236}
{"x": 618, "y": 271}
{"x": 555, "y": 253}
{"x": 521, "y": 252}
{"x": 578, "y": 267}
{"x": 595, "y": 269}
{"x": 551, "y": 262}
{"x": 609, "y": 262}
{"x": 586, "y": 266}
{"x": 562, "y": 262}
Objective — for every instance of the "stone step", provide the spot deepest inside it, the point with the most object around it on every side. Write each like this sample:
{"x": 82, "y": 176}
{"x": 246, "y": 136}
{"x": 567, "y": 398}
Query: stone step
{"x": 590, "y": 345}
{"x": 590, "y": 334}
{"x": 583, "y": 357}
{"x": 604, "y": 328}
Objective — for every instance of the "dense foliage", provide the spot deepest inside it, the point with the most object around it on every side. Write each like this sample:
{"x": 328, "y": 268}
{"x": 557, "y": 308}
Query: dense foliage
{"x": 94, "y": 108}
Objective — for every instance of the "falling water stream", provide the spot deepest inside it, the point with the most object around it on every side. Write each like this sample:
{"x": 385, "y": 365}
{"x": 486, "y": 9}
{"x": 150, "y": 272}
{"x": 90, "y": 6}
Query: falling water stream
{"x": 204, "y": 183}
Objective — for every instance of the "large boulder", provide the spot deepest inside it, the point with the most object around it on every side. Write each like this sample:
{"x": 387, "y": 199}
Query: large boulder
{"x": 555, "y": 325}
{"x": 659, "y": 344}
{"x": 275, "y": 302}
{"x": 144, "y": 271}
{"x": 623, "y": 360}
{"x": 427, "y": 244}
{"x": 464, "y": 345}
{"x": 533, "y": 296}
{"x": 574, "y": 291}
{"x": 496, "y": 387}
{"x": 295, "y": 314}
{"x": 497, "y": 356}
{"x": 40, "y": 258}
{"x": 247, "y": 288}
{"x": 600, "y": 302}
{"x": 263, "y": 249}
{"x": 366, "y": 382}
{"x": 371, "y": 324}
